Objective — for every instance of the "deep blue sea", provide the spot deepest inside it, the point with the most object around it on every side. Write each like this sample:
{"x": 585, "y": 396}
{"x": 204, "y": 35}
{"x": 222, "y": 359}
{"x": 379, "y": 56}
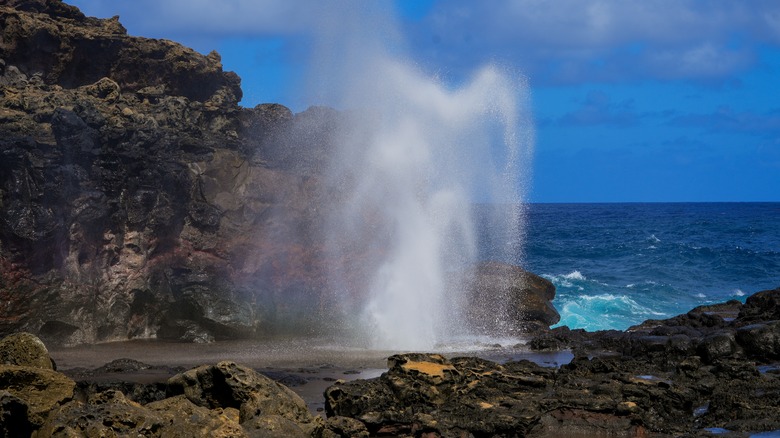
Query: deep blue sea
{"x": 616, "y": 265}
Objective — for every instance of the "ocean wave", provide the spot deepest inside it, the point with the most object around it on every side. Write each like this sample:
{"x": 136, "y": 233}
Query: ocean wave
{"x": 603, "y": 311}
{"x": 574, "y": 275}
{"x": 569, "y": 280}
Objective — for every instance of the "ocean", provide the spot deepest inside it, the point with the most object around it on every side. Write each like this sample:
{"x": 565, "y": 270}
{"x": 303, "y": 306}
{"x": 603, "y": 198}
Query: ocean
{"x": 616, "y": 265}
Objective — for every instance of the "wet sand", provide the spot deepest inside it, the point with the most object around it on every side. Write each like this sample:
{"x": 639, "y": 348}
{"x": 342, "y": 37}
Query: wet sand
{"x": 308, "y": 366}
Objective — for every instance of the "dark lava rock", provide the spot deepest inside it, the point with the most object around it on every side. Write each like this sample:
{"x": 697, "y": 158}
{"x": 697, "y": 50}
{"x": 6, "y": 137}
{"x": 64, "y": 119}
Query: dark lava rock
{"x": 428, "y": 395}
{"x": 264, "y": 404}
{"x": 674, "y": 377}
{"x": 716, "y": 332}
{"x": 223, "y": 400}
{"x": 130, "y": 180}
{"x": 14, "y": 420}
{"x": 761, "y": 306}
{"x": 761, "y": 339}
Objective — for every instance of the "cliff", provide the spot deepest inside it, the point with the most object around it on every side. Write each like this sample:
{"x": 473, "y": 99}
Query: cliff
{"x": 137, "y": 199}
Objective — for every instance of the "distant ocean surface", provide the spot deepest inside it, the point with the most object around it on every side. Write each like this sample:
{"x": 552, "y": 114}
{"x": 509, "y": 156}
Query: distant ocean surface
{"x": 616, "y": 265}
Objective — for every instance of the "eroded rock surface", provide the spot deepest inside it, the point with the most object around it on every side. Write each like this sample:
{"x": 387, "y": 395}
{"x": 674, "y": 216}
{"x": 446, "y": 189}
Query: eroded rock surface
{"x": 222, "y": 400}
{"x": 714, "y": 368}
{"x": 136, "y": 195}
{"x": 264, "y": 404}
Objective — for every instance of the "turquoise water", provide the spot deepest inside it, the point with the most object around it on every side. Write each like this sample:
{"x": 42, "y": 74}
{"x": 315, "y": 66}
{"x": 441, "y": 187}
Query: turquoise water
{"x": 616, "y": 265}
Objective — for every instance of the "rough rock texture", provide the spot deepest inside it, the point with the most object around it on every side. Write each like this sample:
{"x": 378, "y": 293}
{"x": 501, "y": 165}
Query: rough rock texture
{"x": 725, "y": 331}
{"x": 14, "y": 420}
{"x": 714, "y": 367}
{"x": 24, "y": 349}
{"x": 138, "y": 200}
{"x": 265, "y": 406}
{"x": 223, "y": 400}
{"x": 41, "y": 390}
{"x": 136, "y": 197}
{"x": 109, "y": 413}
{"x": 428, "y": 395}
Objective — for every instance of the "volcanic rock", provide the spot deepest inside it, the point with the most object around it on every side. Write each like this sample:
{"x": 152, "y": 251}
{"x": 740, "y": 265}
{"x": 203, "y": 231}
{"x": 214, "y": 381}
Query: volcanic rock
{"x": 25, "y": 349}
{"x": 225, "y": 399}
{"x": 136, "y": 196}
{"x": 265, "y": 406}
{"x": 41, "y": 390}
{"x": 14, "y": 419}
{"x": 428, "y": 395}
{"x": 677, "y": 377}
{"x": 505, "y": 298}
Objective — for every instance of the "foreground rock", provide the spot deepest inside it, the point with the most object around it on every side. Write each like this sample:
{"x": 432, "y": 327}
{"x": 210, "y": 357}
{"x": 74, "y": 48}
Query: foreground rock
{"x": 223, "y": 400}
{"x": 713, "y": 368}
{"x": 266, "y": 408}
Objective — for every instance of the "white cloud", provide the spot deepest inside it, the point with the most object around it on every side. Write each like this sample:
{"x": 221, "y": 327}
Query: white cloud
{"x": 702, "y": 61}
{"x": 553, "y": 41}
{"x": 604, "y": 40}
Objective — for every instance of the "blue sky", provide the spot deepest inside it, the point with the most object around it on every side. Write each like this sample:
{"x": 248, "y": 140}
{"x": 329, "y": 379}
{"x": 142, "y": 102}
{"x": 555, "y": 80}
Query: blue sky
{"x": 632, "y": 100}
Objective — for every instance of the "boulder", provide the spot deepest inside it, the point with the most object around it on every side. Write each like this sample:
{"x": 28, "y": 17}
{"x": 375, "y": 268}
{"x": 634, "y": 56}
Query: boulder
{"x": 264, "y": 404}
{"x": 760, "y": 340}
{"x": 25, "y": 349}
{"x": 185, "y": 419}
{"x": 344, "y": 427}
{"x": 524, "y": 299}
{"x": 40, "y": 389}
{"x": 105, "y": 414}
{"x": 110, "y": 413}
{"x": 718, "y": 345}
{"x": 761, "y": 306}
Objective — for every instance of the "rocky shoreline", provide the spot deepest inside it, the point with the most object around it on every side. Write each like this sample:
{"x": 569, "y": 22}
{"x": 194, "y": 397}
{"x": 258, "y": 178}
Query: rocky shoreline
{"x": 714, "y": 371}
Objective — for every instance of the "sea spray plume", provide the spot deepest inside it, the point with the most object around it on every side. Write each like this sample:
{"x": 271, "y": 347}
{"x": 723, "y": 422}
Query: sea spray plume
{"x": 407, "y": 165}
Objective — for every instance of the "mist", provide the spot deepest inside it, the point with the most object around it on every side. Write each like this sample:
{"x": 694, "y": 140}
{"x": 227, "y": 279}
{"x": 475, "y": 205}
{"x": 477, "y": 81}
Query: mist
{"x": 410, "y": 159}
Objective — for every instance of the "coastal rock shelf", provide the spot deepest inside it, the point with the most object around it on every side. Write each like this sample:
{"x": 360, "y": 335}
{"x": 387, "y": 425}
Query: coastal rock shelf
{"x": 643, "y": 384}
{"x": 714, "y": 368}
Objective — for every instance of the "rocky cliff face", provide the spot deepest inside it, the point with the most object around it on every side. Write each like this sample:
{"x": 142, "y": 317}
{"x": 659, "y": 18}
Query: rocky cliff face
{"x": 139, "y": 200}
{"x": 136, "y": 196}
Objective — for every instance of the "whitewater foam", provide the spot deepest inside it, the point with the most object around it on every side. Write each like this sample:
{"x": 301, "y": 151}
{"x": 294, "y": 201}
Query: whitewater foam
{"x": 602, "y": 311}
{"x": 574, "y": 275}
